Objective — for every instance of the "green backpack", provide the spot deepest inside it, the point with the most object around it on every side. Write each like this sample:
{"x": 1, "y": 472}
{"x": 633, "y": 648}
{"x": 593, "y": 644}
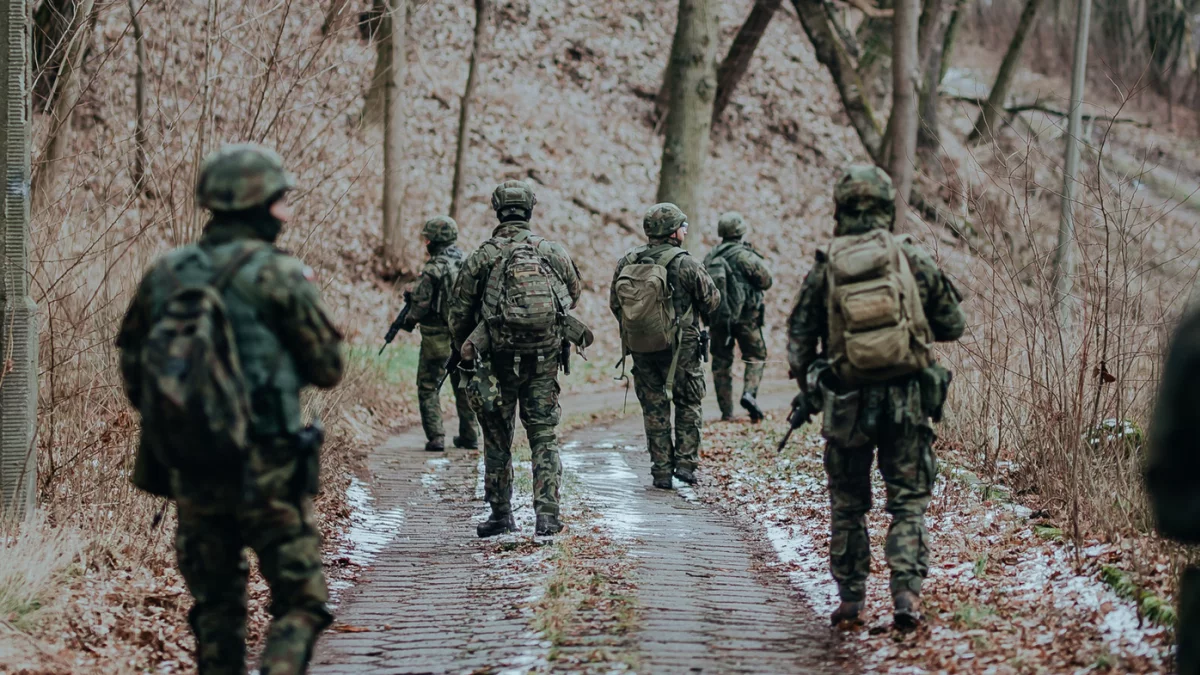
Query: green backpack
{"x": 524, "y": 301}
{"x": 449, "y": 263}
{"x": 195, "y": 400}
{"x": 729, "y": 282}
{"x": 648, "y": 321}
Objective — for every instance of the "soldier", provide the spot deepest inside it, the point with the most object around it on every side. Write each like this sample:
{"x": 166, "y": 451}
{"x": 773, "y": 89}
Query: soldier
{"x": 658, "y": 294}
{"x": 251, "y": 317}
{"x": 511, "y": 295}
{"x": 740, "y": 317}
{"x": 1173, "y": 474}
{"x": 429, "y": 306}
{"x": 877, "y": 381}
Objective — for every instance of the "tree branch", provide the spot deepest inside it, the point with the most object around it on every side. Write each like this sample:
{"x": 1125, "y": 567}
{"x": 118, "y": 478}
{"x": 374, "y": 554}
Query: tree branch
{"x": 1042, "y": 108}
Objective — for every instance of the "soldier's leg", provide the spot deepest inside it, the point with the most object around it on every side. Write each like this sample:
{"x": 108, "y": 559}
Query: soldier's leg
{"x": 209, "y": 551}
{"x": 540, "y": 414}
{"x": 689, "y": 412}
{"x": 434, "y": 351}
{"x": 649, "y": 382}
{"x": 468, "y": 426}
{"x": 754, "y": 353}
{"x": 722, "y": 368}
{"x": 288, "y": 546}
{"x": 497, "y": 427}
{"x": 849, "y": 474}
{"x": 1187, "y": 630}
{"x": 908, "y": 466}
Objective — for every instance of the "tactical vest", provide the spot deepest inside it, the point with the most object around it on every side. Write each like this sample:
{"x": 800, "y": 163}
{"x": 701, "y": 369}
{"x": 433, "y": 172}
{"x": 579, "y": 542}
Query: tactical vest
{"x": 877, "y": 327}
{"x": 444, "y": 268}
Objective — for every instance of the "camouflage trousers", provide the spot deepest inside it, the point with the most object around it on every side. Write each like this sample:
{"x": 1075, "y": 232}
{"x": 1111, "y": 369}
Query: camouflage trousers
{"x": 908, "y": 467}
{"x": 209, "y": 545}
{"x": 435, "y": 349}
{"x": 1187, "y": 629}
{"x": 749, "y": 339}
{"x": 533, "y": 386}
{"x": 650, "y": 383}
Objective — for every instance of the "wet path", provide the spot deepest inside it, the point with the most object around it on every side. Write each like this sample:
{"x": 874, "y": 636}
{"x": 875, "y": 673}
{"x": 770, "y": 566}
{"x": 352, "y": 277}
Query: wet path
{"x": 706, "y": 602}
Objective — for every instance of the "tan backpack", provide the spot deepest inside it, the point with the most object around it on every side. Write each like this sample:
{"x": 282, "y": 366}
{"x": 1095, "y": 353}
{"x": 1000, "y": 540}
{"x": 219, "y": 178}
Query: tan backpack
{"x": 877, "y": 326}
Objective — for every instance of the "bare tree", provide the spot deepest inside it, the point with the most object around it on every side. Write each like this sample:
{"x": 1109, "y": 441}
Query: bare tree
{"x": 381, "y": 32}
{"x": 53, "y": 28}
{"x": 334, "y": 16}
{"x": 929, "y": 45}
{"x": 692, "y": 74}
{"x": 951, "y": 36}
{"x": 389, "y": 73}
{"x": 139, "y": 87}
{"x": 63, "y": 108}
{"x": 985, "y": 124}
{"x": 1064, "y": 258}
{"x": 464, "y": 109}
{"x": 905, "y": 64}
{"x": 737, "y": 61}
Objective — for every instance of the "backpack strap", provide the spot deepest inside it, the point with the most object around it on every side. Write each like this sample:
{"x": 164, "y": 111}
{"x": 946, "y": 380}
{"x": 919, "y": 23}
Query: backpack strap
{"x": 223, "y": 278}
{"x": 665, "y": 259}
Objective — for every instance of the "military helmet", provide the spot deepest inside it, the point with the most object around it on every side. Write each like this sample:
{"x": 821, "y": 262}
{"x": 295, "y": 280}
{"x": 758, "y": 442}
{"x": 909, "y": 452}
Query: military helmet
{"x": 864, "y": 184}
{"x": 241, "y": 176}
{"x": 513, "y": 194}
{"x": 440, "y": 230}
{"x": 731, "y": 224}
{"x": 662, "y": 220}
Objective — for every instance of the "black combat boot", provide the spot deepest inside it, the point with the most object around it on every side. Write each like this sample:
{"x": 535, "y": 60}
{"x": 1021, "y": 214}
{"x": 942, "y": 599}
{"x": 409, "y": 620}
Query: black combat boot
{"x": 465, "y": 444}
{"x": 437, "y": 444}
{"x": 663, "y": 483}
{"x": 908, "y": 611}
{"x": 686, "y": 475}
{"x": 846, "y": 613}
{"x": 548, "y": 525}
{"x": 496, "y": 524}
{"x": 751, "y": 406}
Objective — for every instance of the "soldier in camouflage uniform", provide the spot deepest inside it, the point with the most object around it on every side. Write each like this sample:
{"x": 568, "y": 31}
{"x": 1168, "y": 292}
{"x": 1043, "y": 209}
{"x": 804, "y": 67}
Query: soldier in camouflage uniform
{"x": 694, "y": 296}
{"x": 503, "y": 380}
{"x": 1172, "y": 472}
{"x": 893, "y": 416}
{"x": 285, "y": 341}
{"x": 746, "y": 330}
{"x": 429, "y": 307}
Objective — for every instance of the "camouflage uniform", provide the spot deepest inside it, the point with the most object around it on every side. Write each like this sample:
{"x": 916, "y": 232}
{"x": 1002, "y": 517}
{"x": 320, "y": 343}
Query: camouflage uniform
{"x": 746, "y": 332}
{"x": 530, "y": 382}
{"x": 1172, "y": 472}
{"x": 888, "y": 416}
{"x": 265, "y": 505}
{"x": 692, "y": 289}
{"x": 430, "y": 296}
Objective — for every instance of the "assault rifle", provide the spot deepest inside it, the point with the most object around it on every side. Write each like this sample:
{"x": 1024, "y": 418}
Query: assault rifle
{"x": 801, "y": 413}
{"x": 398, "y": 324}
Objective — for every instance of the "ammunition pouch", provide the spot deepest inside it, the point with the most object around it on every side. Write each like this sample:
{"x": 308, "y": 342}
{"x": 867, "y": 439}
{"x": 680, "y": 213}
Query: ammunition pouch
{"x": 841, "y": 411}
{"x": 482, "y": 387}
{"x": 577, "y": 332}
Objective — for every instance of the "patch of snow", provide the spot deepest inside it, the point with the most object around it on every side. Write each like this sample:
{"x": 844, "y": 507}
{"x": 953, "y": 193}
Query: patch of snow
{"x": 610, "y": 484}
{"x": 369, "y": 529}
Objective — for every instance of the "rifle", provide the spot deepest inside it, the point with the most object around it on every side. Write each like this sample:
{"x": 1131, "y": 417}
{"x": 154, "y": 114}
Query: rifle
{"x": 451, "y": 365}
{"x": 808, "y": 402}
{"x": 801, "y": 413}
{"x": 398, "y": 324}
{"x": 704, "y": 344}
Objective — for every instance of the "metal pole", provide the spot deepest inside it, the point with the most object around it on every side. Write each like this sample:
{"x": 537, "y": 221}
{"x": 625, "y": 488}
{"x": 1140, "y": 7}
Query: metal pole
{"x": 18, "y": 314}
{"x": 1064, "y": 259}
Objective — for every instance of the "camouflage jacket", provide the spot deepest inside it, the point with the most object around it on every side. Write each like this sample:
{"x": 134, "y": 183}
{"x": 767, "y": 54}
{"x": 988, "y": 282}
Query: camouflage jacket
{"x": 808, "y": 324}
{"x": 285, "y": 340}
{"x": 431, "y": 291}
{"x": 752, "y": 268}
{"x": 693, "y": 288}
{"x": 466, "y": 304}
{"x": 1172, "y": 466}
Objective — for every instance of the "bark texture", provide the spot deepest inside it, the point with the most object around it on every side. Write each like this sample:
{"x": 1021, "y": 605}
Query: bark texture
{"x": 464, "y": 109}
{"x": 985, "y": 124}
{"x": 741, "y": 52}
{"x": 389, "y": 74}
{"x": 905, "y": 71}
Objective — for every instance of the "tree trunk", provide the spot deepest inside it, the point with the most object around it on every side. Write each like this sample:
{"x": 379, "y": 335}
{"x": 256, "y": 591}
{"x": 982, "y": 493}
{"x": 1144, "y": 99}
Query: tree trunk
{"x": 464, "y": 109}
{"x": 985, "y": 124}
{"x": 373, "y": 108}
{"x": 737, "y": 61}
{"x": 904, "y": 102}
{"x": 833, "y": 56}
{"x": 139, "y": 87}
{"x": 65, "y": 101}
{"x": 1064, "y": 257}
{"x": 692, "y": 73}
{"x": 52, "y": 31}
{"x": 390, "y": 77}
{"x": 947, "y": 52}
{"x": 929, "y": 44}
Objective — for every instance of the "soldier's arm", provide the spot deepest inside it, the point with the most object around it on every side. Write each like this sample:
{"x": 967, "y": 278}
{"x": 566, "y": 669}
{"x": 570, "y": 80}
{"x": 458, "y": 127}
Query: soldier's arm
{"x": 134, "y": 326}
{"x": 567, "y": 271}
{"x": 939, "y": 297}
{"x": 695, "y": 280}
{"x": 755, "y": 269}
{"x": 421, "y": 302}
{"x": 464, "y": 300}
{"x": 809, "y": 321}
{"x": 1172, "y": 468}
{"x": 301, "y": 321}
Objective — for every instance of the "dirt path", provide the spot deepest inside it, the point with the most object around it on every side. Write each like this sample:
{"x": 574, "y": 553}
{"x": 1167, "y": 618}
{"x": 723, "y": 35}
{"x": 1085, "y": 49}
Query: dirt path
{"x": 439, "y": 600}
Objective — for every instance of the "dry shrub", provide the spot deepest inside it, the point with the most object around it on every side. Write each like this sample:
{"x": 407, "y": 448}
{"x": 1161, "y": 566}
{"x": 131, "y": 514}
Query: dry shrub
{"x": 33, "y": 558}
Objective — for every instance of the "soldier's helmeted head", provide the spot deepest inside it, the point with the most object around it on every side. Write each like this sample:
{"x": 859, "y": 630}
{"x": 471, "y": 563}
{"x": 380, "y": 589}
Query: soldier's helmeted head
{"x": 440, "y": 231}
{"x": 513, "y": 200}
{"x": 731, "y": 225}
{"x": 865, "y": 200}
{"x": 663, "y": 220}
{"x": 243, "y": 181}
